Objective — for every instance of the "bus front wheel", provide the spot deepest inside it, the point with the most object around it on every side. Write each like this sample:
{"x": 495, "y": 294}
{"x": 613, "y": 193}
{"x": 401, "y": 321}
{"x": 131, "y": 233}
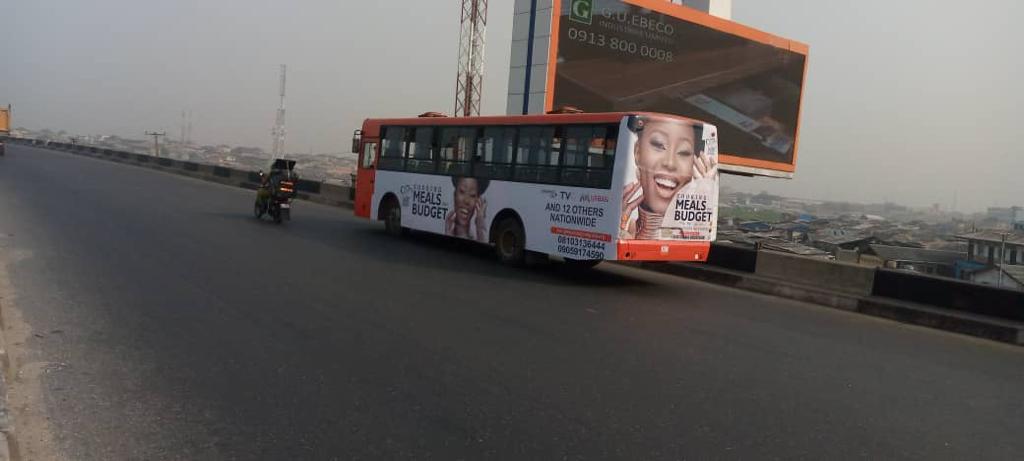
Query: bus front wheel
{"x": 509, "y": 242}
{"x": 393, "y": 218}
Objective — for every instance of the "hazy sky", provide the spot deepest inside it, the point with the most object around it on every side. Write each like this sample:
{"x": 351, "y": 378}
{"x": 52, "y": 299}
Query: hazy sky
{"x": 911, "y": 101}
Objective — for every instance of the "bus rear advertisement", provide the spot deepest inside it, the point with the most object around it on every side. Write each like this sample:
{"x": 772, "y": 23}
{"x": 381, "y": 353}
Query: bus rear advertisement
{"x": 584, "y": 187}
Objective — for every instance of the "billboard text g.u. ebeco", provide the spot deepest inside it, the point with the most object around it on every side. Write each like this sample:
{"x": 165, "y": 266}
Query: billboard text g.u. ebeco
{"x": 615, "y": 55}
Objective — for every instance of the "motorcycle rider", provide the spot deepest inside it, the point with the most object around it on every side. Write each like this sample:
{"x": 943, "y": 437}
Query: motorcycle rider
{"x": 270, "y": 182}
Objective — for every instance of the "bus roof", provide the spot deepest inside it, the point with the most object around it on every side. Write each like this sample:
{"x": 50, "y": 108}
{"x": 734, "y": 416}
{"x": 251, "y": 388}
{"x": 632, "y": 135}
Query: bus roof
{"x": 371, "y": 126}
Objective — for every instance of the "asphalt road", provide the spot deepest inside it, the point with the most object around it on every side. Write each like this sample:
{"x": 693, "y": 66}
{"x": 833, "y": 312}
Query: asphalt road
{"x": 176, "y": 326}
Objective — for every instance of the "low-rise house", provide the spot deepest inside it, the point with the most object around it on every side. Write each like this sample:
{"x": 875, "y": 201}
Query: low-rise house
{"x": 925, "y": 261}
{"x": 794, "y": 248}
{"x": 795, "y": 231}
{"x": 833, "y": 240}
{"x": 994, "y": 258}
{"x": 1012, "y": 276}
{"x": 994, "y": 247}
{"x": 755, "y": 226}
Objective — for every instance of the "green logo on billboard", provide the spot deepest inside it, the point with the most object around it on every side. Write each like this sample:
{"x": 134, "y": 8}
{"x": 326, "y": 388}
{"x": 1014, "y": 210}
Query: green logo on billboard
{"x": 581, "y": 11}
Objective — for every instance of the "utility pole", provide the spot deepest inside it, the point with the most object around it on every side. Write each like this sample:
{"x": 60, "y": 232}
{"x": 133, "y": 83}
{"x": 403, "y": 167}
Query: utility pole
{"x": 278, "y": 132}
{"x": 1002, "y": 257}
{"x": 156, "y": 141}
{"x": 470, "y": 81}
{"x": 186, "y": 127}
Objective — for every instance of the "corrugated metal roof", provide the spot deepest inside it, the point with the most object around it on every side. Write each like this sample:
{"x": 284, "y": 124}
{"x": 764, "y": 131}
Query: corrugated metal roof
{"x": 1015, "y": 271}
{"x": 894, "y": 253}
{"x": 794, "y": 248}
{"x": 841, "y": 239}
{"x": 1014, "y": 237}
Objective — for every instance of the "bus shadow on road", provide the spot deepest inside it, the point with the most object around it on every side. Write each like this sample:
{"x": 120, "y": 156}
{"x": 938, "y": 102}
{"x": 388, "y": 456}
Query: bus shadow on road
{"x": 437, "y": 252}
{"x": 427, "y": 251}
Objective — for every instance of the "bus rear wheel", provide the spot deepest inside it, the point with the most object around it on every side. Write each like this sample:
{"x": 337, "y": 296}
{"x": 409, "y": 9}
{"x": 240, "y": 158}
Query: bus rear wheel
{"x": 393, "y": 218}
{"x": 509, "y": 242}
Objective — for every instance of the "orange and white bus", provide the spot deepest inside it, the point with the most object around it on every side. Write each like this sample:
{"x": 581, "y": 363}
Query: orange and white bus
{"x": 585, "y": 187}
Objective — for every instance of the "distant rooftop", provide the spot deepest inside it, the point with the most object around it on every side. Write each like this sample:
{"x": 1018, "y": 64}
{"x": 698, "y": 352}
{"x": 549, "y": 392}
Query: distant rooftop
{"x": 794, "y": 248}
{"x": 1017, "y": 272}
{"x": 1014, "y": 237}
{"x": 921, "y": 255}
{"x": 958, "y": 246}
{"x": 841, "y": 239}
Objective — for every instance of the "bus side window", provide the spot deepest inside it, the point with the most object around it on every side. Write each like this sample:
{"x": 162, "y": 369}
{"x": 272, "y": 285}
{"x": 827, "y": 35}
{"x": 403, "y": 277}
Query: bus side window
{"x": 494, "y": 149}
{"x": 456, "y": 149}
{"x": 369, "y": 154}
{"x": 578, "y": 140}
{"x": 536, "y": 157}
{"x": 393, "y": 149}
{"x": 602, "y": 163}
{"x": 589, "y": 155}
{"x": 611, "y": 142}
{"x": 466, "y": 144}
{"x": 421, "y": 151}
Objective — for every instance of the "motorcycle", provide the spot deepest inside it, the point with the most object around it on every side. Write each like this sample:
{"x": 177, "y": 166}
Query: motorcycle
{"x": 275, "y": 194}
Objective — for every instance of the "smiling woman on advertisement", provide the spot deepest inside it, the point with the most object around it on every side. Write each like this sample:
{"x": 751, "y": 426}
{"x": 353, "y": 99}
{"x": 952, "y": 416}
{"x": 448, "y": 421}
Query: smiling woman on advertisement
{"x": 468, "y": 218}
{"x": 669, "y": 155}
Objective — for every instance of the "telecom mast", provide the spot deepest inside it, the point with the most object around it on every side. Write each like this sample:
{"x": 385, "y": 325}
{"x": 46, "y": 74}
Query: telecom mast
{"x": 469, "y": 84}
{"x": 278, "y": 131}
{"x": 186, "y": 127}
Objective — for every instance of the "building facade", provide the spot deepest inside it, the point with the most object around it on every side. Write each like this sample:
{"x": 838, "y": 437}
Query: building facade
{"x": 994, "y": 258}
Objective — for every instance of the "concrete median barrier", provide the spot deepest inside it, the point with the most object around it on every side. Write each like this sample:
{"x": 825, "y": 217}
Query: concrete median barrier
{"x": 848, "y": 278}
{"x": 205, "y": 170}
{"x": 327, "y": 194}
{"x": 334, "y": 195}
{"x": 962, "y": 322}
{"x": 951, "y": 294}
{"x": 732, "y": 257}
{"x": 307, "y": 186}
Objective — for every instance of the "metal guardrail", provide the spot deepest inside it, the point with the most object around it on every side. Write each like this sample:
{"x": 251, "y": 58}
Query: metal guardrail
{"x": 328, "y": 194}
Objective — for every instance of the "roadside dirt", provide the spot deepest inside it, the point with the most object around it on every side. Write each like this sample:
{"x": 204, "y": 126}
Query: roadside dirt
{"x": 30, "y": 435}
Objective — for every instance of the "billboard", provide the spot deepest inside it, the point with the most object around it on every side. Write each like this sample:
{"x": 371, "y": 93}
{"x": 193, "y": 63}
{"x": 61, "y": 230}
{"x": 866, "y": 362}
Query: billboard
{"x": 651, "y": 55}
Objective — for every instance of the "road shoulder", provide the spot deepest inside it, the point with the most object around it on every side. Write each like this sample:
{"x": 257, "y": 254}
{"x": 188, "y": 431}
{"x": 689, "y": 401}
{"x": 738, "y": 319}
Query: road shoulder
{"x": 24, "y": 424}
